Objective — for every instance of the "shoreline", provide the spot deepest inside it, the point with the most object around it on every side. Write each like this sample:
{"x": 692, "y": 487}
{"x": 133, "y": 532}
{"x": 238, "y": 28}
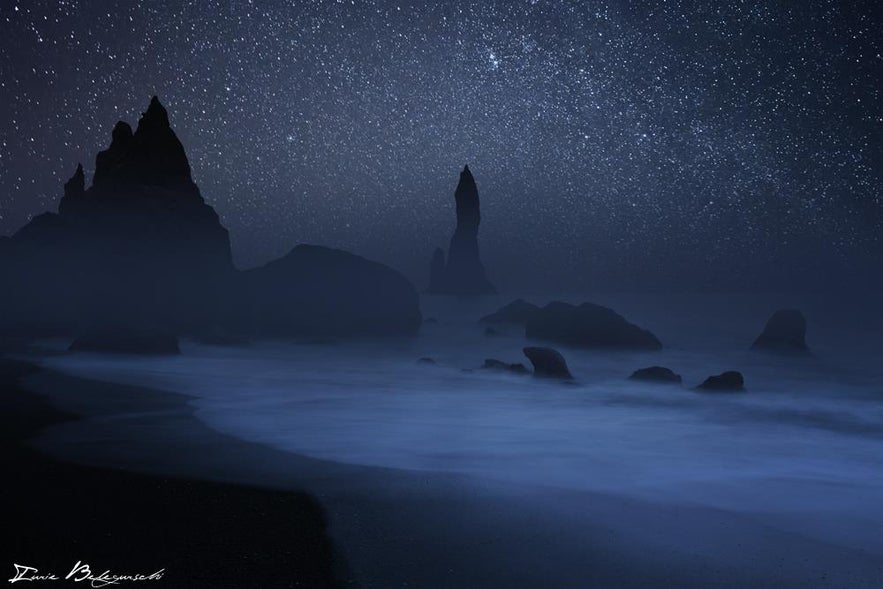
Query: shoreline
{"x": 59, "y": 513}
{"x": 399, "y": 528}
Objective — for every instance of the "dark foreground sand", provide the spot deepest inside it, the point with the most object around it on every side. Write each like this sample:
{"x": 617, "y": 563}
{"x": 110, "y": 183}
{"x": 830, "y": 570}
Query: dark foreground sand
{"x": 202, "y": 534}
{"x": 392, "y": 528}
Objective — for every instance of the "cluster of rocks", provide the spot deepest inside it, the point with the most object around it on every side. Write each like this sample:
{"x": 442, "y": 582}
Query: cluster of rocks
{"x": 730, "y": 381}
{"x": 592, "y": 326}
{"x": 138, "y": 258}
{"x": 546, "y": 362}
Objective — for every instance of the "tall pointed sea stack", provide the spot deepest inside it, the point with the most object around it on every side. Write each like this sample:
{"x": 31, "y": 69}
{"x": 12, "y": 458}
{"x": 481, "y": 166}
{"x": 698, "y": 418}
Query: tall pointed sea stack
{"x": 464, "y": 273}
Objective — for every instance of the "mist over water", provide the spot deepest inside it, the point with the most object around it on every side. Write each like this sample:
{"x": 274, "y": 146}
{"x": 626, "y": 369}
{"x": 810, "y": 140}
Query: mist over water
{"x": 803, "y": 447}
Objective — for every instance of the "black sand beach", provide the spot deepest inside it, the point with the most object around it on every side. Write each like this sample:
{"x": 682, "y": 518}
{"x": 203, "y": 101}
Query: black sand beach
{"x": 200, "y": 534}
{"x": 392, "y": 528}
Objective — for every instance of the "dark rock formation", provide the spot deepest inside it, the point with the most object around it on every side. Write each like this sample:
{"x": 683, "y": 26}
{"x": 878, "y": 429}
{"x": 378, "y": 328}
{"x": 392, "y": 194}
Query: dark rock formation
{"x": 518, "y": 311}
{"x": 658, "y": 374}
{"x": 319, "y": 291}
{"x": 464, "y": 273}
{"x": 141, "y": 247}
{"x": 730, "y": 381}
{"x": 123, "y": 340}
{"x": 588, "y": 326}
{"x": 152, "y": 156}
{"x": 109, "y": 161}
{"x": 547, "y": 362}
{"x": 515, "y": 368}
{"x": 74, "y": 192}
{"x": 784, "y": 332}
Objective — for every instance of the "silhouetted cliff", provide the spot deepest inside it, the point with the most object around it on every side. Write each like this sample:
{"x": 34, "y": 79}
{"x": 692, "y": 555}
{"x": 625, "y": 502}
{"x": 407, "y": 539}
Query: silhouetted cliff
{"x": 141, "y": 248}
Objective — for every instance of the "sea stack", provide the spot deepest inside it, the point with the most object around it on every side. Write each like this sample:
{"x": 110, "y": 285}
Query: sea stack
{"x": 463, "y": 273}
{"x": 784, "y": 332}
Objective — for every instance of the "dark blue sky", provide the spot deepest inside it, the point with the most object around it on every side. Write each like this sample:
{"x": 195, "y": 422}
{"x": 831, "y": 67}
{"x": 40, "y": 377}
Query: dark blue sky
{"x": 609, "y": 140}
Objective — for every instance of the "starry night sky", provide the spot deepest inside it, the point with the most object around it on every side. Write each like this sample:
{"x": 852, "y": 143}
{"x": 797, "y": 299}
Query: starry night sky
{"x": 609, "y": 139}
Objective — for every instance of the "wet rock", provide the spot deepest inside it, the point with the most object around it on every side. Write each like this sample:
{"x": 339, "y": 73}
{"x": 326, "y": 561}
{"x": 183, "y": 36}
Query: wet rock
{"x": 730, "y": 381}
{"x": 658, "y": 374}
{"x": 547, "y": 362}
{"x": 494, "y": 364}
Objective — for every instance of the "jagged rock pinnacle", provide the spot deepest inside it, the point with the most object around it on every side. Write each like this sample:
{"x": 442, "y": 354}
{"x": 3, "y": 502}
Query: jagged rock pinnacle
{"x": 156, "y": 116}
{"x": 76, "y": 186}
{"x": 464, "y": 272}
{"x": 466, "y": 196}
{"x": 152, "y": 155}
{"x": 121, "y": 135}
{"x": 74, "y": 191}
{"x": 109, "y": 160}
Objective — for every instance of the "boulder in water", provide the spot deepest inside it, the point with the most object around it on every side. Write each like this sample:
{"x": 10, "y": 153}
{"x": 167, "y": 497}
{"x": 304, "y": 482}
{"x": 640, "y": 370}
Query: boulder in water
{"x": 659, "y": 374}
{"x": 547, "y": 362}
{"x": 494, "y": 364}
{"x": 726, "y": 382}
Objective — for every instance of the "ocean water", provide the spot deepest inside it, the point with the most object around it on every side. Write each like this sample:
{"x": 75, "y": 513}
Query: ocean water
{"x": 803, "y": 447}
